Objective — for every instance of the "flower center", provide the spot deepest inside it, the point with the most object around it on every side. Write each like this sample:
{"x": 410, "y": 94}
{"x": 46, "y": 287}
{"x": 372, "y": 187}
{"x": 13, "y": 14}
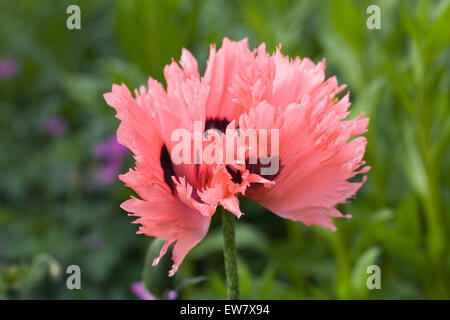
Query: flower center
{"x": 167, "y": 166}
{"x": 221, "y": 125}
{"x": 236, "y": 177}
{"x": 216, "y": 123}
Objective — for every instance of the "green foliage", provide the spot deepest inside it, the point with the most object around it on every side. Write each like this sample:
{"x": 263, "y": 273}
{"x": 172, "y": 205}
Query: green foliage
{"x": 51, "y": 216}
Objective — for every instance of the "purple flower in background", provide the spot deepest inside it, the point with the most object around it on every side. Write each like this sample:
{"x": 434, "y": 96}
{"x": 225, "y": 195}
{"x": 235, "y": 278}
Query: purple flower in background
{"x": 96, "y": 242}
{"x": 108, "y": 171}
{"x": 139, "y": 291}
{"x": 55, "y": 126}
{"x": 8, "y": 68}
{"x": 112, "y": 153}
{"x": 109, "y": 149}
{"x": 170, "y": 295}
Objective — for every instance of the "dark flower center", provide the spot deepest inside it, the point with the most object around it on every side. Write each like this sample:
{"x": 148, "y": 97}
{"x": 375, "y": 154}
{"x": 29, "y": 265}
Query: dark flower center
{"x": 169, "y": 172}
{"x": 221, "y": 125}
{"x": 216, "y": 123}
{"x": 167, "y": 166}
{"x": 236, "y": 177}
{"x": 256, "y": 168}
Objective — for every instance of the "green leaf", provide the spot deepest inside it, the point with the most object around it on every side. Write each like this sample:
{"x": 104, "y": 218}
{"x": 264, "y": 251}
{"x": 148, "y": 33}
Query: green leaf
{"x": 415, "y": 169}
{"x": 342, "y": 56}
{"x": 438, "y": 35}
{"x": 397, "y": 244}
{"x": 368, "y": 99}
{"x": 3, "y": 287}
{"x": 246, "y": 280}
{"x": 151, "y": 32}
{"x": 156, "y": 278}
{"x": 217, "y": 284}
{"x": 267, "y": 282}
{"x": 189, "y": 281}
{"x": 349, "y": 22}
{"x": 407, "y": 219}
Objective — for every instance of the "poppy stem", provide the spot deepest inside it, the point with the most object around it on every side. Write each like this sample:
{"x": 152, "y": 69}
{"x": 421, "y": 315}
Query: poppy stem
{"x": 229, "y": 254}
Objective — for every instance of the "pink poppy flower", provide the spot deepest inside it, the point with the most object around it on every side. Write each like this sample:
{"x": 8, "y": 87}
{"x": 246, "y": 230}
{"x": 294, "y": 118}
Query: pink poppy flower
{"x": 319, "y": 148}
{"x": 247, "y": 90}
{"x": 177, "y": 200}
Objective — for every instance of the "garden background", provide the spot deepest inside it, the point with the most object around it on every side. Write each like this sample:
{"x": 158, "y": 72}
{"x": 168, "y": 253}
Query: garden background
{"x": 59, "y": 192}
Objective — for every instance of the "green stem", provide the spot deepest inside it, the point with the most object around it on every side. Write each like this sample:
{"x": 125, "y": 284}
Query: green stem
{"x": 229, "y": 254}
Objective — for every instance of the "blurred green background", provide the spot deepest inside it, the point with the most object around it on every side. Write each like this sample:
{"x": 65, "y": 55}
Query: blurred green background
{"x": 59, "y": 195}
